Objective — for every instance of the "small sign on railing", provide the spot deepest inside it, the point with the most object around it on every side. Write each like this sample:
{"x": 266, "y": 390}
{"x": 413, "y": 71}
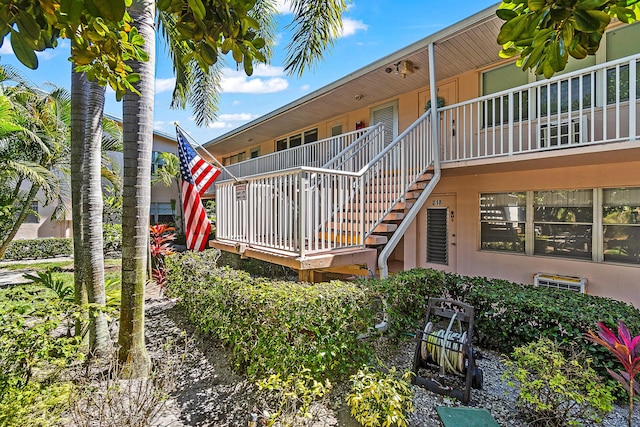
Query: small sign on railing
{"x": 241, "y": 192}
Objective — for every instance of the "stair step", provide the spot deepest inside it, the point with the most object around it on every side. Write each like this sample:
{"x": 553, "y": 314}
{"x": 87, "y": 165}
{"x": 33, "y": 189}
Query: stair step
{"x": 385, "y": 228}
{"x": 380, "y": 228}
{"x": 355, "y": 207}
{"x": 392, "y": 216}
{"x": 353, "y": 240}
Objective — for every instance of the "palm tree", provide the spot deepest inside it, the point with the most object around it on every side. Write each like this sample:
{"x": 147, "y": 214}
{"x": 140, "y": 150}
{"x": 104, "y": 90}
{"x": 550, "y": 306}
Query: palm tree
{"x": 137, "y": 125}
{"x": 317, "y": 24}
{"x": 32, "y": 149}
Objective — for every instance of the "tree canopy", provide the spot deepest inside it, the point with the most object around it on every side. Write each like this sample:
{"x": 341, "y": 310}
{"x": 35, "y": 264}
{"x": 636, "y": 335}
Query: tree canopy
{"x": 544, "y": 33}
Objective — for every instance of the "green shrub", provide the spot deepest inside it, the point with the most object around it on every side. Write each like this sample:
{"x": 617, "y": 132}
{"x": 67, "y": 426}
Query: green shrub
{"x": 32, "y": 355}
{"x": 405, "y": 296}
{"x": 272, "y": 327}
{"x": 293, "y": 394}
{"x": 255, "y": 267}
{"x": 510, "y": 315}
{"x": 38, "y": 248}
{"x": 554, "y": 390}
{"x": 112, "y": 235}
{"x": 380, "y": 398}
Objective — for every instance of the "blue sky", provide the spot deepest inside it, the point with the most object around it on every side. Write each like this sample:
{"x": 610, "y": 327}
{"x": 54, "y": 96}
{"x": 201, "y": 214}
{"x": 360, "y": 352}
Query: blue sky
{"x": 372, "y": 30}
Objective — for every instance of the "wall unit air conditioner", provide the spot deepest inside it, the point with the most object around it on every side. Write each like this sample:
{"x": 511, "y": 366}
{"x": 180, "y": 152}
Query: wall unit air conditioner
{"x": 569, "y": 283}
{"x": 563, "y": 133}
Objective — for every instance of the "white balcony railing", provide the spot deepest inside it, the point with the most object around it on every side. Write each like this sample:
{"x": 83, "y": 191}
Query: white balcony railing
{"x": 308, "y": 210}
{"x": 315, "y": 154}
{"x": 588, "y": 106}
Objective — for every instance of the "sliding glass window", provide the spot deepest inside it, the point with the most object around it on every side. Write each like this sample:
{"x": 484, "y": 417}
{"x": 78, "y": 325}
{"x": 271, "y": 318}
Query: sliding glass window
{"x": 502, "y": 221}
{"x": 621, "y": 225}
{"x": 563, "y": 223}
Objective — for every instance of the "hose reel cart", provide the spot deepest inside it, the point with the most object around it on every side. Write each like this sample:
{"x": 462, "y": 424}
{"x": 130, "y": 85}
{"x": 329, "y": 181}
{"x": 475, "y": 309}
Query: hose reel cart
{"x": 447, "y": 349}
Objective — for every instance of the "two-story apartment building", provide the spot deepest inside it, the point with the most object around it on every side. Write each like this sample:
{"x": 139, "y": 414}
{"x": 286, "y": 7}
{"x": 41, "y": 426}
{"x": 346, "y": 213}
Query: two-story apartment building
{"x": 444, "y": 155}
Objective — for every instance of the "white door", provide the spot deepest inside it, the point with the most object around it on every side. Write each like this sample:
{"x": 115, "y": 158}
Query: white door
{"x": 386, "y": 114}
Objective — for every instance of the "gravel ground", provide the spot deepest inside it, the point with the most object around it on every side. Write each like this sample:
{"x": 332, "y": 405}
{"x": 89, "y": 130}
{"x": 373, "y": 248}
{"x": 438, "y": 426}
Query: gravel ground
{"x": 208, "y": 393}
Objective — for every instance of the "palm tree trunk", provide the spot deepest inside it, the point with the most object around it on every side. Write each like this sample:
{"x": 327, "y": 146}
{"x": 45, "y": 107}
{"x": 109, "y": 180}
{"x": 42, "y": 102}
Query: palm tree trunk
{"x": 93, "y": 246}
{"x": 79, "y": 94}
{"x": 137, "y": 143}
{"x": 21, "y": 217}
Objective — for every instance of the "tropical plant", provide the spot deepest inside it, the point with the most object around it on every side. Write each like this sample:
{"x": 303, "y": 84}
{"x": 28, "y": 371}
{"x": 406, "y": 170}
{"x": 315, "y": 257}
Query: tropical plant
{"x": 294, "y": 395}
{"x": 627, "y": 351}
{"x": 545, "y": 33}
{"x": 381, "y": 397}
{"x": 555, "y": 389}
{"x": 33, "y": 149}
{"x": 162, "y": 236}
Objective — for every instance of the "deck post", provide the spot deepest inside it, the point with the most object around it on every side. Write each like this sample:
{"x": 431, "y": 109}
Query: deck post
{"x": 435, "y": 122}
{"x": 633, "y": 90}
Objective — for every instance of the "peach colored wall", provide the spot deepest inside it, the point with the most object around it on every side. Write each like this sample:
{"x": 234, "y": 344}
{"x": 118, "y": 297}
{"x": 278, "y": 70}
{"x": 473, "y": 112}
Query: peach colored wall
{"x": 618, "y": 281}
{"x": 45, "y": 227}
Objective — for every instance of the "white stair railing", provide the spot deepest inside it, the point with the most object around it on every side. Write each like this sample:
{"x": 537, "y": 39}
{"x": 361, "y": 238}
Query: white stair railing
{"x": 308, "y": 210}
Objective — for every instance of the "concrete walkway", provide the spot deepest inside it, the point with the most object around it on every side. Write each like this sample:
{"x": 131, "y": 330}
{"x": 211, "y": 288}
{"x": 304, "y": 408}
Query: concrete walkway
{"x": 14, "y": 277}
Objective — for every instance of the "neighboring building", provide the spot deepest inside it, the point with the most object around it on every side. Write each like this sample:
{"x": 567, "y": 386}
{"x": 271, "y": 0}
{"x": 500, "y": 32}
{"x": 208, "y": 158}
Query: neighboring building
{"x": 162, "y": 199}
{"x": 518, "y": 175}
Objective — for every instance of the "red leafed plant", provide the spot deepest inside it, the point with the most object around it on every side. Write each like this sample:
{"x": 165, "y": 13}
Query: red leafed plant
{"x": 161, "y": 237}
{"x": 627, "y": 351}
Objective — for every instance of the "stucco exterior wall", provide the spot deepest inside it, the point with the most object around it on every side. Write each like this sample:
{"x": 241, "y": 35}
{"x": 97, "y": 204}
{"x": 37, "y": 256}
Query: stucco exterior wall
{"x": 462, "y": 191}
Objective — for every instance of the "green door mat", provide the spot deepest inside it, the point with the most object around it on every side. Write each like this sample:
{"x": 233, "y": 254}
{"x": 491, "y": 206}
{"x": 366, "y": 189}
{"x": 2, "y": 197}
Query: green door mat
{"x": 467, "y": 417}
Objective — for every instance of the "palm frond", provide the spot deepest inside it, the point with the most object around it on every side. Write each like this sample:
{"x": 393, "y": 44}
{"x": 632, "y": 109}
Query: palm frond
{"x": 34, "y": 173}
{"x": 204, "y": 93}
{"x": 265, "y": 13}
{"x": 316, "y": 25}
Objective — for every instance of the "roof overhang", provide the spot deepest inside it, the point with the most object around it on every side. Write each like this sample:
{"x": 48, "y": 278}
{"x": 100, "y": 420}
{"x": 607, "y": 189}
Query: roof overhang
{"x": 467, "y": 45}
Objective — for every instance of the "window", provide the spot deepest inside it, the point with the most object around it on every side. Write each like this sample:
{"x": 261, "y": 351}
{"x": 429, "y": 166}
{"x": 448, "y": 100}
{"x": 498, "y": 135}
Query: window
{"x": 157, "y": 161}
{"x": 33, "y": 217}
{"x": 579, "y": 90}
{"x": 502, "y": 221}
{"x": 161, "y": 213}
{"x": 236, "y": 158}
{"x": 622, "y": 42}
{"x": 621, "y": 225}
{"x": 496, "y": 111}
{"x": 563, "y": 223}
{"x": 297, "y": 140}
{"x": 255, "y": 152}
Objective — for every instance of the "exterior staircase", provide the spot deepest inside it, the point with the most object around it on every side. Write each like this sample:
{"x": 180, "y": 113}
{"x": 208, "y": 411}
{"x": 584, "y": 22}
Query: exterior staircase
{"x": 337, "y": 218}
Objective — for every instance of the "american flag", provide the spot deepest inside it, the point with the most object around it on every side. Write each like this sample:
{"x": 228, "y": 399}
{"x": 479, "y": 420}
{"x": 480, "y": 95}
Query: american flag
{"x": 197, "y": 176}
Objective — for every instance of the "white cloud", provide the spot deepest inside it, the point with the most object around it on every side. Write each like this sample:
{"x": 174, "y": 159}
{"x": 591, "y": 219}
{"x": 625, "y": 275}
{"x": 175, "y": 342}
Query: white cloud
{"x": 160, "y": 124}
{"x": 236, "y": 117}
{"x": 6, "y": 48}
{"x": 284, "y": 7}
{"x": 165, "y": 85}
{"x": 305, "y": 88}
{"x": 351, "y": 26}
{"x": 220, "y": 125}
{"x": 238, "y": 82}
{"x": 236, "y": 103}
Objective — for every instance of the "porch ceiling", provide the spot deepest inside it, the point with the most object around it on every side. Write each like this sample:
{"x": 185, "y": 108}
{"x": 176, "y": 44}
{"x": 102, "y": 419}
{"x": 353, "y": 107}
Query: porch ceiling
{"x": 462, "y": 47}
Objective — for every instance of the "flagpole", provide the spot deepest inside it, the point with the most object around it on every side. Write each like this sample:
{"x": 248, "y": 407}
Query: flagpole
{"x": 235, "y": 178}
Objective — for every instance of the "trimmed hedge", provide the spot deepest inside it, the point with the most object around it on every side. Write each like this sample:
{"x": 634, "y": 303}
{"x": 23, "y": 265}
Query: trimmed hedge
{"x": 38, "y": 248}
{"x": 273, "y": 327}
